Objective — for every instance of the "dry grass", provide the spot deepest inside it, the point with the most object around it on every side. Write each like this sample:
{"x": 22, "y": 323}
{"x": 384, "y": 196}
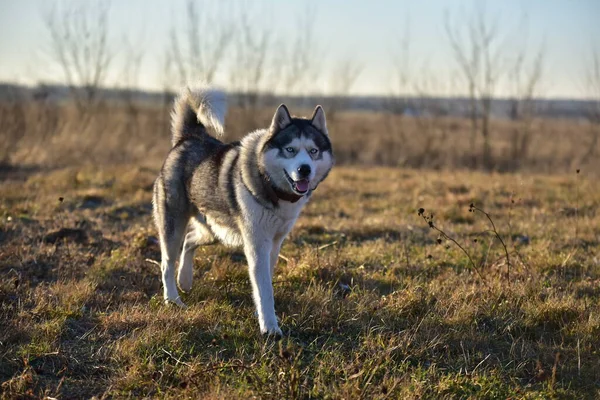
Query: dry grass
{"x": 371, "y": 305}
{"x": 38, "y": 133}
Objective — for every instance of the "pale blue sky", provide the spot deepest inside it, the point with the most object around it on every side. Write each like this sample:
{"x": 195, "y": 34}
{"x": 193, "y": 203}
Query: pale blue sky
{"x": 368, "y": 32}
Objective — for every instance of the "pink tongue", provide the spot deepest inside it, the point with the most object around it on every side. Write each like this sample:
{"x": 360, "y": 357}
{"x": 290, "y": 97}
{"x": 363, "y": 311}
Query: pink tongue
{"x": 302, "y": 185}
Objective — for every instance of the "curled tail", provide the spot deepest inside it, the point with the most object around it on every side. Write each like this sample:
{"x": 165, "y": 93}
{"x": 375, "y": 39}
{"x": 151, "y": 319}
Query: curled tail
{"x": 196, "y": 110}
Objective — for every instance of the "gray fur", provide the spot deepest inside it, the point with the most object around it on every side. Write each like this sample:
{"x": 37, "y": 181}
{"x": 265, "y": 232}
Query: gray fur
{"x": 207, "y": 106}
{"x": 209, "y": 190}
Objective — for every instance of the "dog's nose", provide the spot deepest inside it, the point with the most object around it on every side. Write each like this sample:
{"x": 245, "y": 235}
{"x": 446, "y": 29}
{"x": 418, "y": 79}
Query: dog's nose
{"x": 304, "y": 170}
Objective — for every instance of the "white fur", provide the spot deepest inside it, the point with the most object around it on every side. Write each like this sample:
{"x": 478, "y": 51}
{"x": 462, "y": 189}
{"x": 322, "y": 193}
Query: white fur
{"x": 226, "y": 235}
{"x": 208, "y": 103}
{"x": 321, "y": 169}
{"x": 212, "y": 107}
{"x": 264, "y": 232}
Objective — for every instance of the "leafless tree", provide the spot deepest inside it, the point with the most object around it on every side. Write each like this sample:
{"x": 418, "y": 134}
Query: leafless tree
{"x": 303, "y": 56}
{"x": 168, "y": 78}
{"x": 477, "y": 47}
{"x": 13, "y": 125}
{"x": 252, "y": 54}
{"x": 343, "y": 79}
{"x": 129, "y": 79}
{"x": 399, "y": 102}
{"x": 78, "y": 35}
{"x": 411, "y": 98}
{"x": 198, "y": 48}
{"x": 525, "y": 77}
{"x": 592, "y": 84}
{"x": 130, "y": 71}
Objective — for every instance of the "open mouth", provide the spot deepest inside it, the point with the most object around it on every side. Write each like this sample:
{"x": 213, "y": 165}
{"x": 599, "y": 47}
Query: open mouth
{"x": 300, "y": 186}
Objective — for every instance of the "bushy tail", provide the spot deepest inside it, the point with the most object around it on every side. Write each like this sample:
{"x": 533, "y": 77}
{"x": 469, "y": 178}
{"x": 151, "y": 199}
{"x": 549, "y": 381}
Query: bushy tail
{"x": 196, "y": 110}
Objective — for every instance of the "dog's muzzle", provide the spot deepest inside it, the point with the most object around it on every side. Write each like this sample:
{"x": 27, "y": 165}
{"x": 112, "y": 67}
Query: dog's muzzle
{"x": 300, "y": 186}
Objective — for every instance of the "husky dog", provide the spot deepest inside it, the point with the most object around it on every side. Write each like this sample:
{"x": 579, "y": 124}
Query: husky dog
{"x": 246, "y": 193}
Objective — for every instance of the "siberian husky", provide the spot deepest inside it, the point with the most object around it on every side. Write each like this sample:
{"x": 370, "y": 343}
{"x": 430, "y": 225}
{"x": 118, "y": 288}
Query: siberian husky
{"x": 246, "y": 193}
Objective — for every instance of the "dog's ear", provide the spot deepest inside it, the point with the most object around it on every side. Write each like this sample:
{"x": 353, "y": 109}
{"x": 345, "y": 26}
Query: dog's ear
{"x": 318, "y": 120}
{"x": 281, "y": 119}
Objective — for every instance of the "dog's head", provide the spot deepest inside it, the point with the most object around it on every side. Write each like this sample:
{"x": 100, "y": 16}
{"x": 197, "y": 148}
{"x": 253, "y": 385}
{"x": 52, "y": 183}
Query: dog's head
{"x": 297, "y": 154}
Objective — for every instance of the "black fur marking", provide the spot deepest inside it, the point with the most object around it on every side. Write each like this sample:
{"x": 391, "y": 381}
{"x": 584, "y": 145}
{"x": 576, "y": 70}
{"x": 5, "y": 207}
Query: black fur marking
{"x": 298, "y": 128}
{"x": 231, "y": 197}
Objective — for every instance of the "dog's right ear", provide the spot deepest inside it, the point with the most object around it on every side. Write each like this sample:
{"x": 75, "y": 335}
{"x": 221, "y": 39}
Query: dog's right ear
{"x": 281, "y": 119}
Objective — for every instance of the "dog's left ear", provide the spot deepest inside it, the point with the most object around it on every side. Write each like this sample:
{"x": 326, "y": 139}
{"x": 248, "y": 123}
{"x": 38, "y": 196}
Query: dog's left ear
{"x": 318, "y": 120}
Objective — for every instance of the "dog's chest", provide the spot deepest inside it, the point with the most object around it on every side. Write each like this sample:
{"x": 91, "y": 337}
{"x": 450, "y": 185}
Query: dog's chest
{"x": 271, "y": 221}
{"x": 282, "y": 218}
{"x": 289, "y": 212}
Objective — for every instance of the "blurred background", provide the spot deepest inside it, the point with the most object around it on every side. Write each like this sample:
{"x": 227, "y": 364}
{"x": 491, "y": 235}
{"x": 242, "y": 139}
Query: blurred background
{"x": 496, "y": 86}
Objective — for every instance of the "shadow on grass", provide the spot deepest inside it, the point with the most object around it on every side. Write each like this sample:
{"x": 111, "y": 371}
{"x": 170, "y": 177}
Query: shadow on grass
{"x": 320, "y": 235}
{"x": 18, "y": 172}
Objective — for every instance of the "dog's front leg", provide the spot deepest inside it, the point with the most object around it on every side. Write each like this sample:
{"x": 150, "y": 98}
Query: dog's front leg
{"x": 277, "y": 242}
{"x": 258, "y": 254}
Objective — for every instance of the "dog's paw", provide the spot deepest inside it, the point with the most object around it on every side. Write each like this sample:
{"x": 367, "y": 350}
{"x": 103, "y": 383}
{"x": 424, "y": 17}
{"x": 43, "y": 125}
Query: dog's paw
{"x": 274, "y": 334}
{"x": 185, "y": 283}
{"x": 177, "y": 301}
{"x": 276, "y": 317}
{"x": 185, "y": 276}
{"x": 271, "y": 330}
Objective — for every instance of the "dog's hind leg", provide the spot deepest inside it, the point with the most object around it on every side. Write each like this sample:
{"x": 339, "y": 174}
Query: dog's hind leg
{"x": 171, "y": 218}
{"x": 198, "y": 234}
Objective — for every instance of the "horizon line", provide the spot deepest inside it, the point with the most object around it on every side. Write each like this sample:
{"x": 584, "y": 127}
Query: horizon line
{"x": 300, "y": 95}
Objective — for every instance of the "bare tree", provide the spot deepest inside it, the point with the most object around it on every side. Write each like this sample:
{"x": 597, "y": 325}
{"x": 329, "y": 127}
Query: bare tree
{"x": 168, "y": 78}
{"x": 399, "y": 102}
{"x": 13, "y": 125}
{"x": 199, "y": 48}
{"x": 130, "y": 74}
{"x": 304, "y": 56}
{"x": 252, "y": 52}
{"x": 413, "y": 98}
{"x": 477, "y": 49}
{"x": 343, "y": 79}
{"x": 525, "y": 77}
{"x": 79, "y": 46}
{"x": 130, "y": 70}
{"x": 592, "y": 83}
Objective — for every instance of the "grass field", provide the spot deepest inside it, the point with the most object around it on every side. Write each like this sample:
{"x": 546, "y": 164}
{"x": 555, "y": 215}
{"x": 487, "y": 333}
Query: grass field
{"x": 371, "y": 305}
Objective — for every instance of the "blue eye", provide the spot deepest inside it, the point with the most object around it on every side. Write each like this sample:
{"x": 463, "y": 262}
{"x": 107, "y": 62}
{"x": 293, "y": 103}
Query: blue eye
{"x": 289, "y": 149}
{"x": 314, "y": 151}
